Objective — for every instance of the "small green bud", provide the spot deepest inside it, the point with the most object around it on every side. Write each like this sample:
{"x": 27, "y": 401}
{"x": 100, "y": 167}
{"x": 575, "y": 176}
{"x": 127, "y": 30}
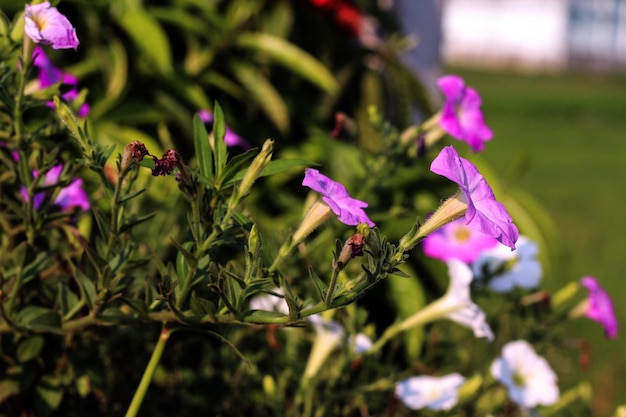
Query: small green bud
{"x": 256, "y": 167}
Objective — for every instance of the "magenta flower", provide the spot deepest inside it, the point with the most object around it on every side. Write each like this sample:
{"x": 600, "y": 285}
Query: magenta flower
{"x": 484, "y": 212}
{"x": 456, "y": 240}
{"x": 67, "y": 198}
{"x": 49, "y": 75}
{"x": 349, "y": 210}
{"x": 230, "y": 137}
{"x": 600, "y": 306}
{"x": 461, "y": 116}
{"x": 45, "y": 25}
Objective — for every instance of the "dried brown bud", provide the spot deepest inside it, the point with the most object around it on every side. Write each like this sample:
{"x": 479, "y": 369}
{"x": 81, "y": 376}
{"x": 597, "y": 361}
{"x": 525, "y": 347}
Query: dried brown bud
{"x": 133, "y": 152}
{"x": 166, "y": 164}
{"x": 353, "y": 247}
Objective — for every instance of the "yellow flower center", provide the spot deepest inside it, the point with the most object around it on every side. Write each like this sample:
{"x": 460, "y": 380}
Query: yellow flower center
{"x": 462, "y": 234}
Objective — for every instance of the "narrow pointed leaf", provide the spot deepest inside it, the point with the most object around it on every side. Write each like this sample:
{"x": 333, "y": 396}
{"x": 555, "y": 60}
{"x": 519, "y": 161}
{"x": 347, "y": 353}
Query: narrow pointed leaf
{"x": 203, "y": 148}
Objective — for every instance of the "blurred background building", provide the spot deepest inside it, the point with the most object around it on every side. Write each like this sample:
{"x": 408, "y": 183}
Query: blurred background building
{"x": 535, "y": 34}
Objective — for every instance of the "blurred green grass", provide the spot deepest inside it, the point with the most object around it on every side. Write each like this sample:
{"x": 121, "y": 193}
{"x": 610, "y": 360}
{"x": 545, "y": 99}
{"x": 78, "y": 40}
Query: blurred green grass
{"x": 563, "y": 139}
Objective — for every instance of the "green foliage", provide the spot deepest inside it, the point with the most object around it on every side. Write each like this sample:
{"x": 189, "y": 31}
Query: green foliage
{"x": 185, "y": 234}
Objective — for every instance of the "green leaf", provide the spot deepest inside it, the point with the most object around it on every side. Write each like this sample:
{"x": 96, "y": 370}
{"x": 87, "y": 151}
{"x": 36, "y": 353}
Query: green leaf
{"x": 219, "y": 146}
{"x": 320, "y": 285}
{"x": 290, "y": 56}
{"x": 149, "y": 37}
{"x": 88, "y": 289}
{"x": 134, "y": 221}
{"x": 201, "y": 305}
{"x": 49, "y": 393}
{"x": 39, "y": 318}
{"x": 263, "y": 92}
{"x": 204, "y": 154}
{"x": 236, "y": 163}
{"x": 29, "y": 348}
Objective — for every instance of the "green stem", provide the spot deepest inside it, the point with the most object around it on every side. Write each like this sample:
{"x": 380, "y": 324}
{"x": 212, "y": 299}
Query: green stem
{"x": 18, "y": 123}
{"x": 148, "y": 374}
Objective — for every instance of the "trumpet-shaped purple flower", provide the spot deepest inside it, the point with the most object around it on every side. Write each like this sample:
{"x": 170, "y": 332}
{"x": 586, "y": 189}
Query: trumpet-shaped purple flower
{"x": 461, "y": 116}
{"x": 434, "y": 393}
{"x": 600, "y": 306}
{"x": 457, "y": 240}
{"x": 528, "y": 377}
{"x": 45, "y": 25}
{"x": 230, "y": 137}
{"x": 67, "y": 198}
{"x": 484, "y": 212}
{"x": 349, "y": 210}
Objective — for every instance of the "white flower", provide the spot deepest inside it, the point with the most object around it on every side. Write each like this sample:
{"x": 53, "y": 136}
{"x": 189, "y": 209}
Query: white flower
{"x": 274, "y": 301}
{"x": 527, "y": 376}
{"x": 329, "y": 336}
{"x": 360, "y": 343}
{"x": 509, "y": 269}
{"x": 435, "y": 393}
{"x": 455, "y": 305}
{"x": 462, "y": 309}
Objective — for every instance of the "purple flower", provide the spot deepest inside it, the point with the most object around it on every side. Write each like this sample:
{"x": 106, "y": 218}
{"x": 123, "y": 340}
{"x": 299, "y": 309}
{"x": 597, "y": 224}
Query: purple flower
{"x": 49, "y": 75}
{"x": 600, "y": 306}
{"x": 461, "y": 116}
{"x": 349, "y": 210}
{"x": 67, "y": 198}
{"x": 45, "y": 25}
{"x": 230, "y": 137}
{"x": 484, "y": 212}
{"x": 457, "y": 240}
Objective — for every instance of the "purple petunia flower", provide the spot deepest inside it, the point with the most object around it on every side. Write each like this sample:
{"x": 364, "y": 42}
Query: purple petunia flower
{"x": 45, "y": 25}
{"x": 49, "y": 75}
{"x": 230, "y": 137}
{"x": 484, "y": 212}
{"x": 457, "y": 240}
{"x": 349, "y": 210}
{"x": 461, "y": 116}
{"x": 67, "y": 198}
{"x": 600, "y": 306}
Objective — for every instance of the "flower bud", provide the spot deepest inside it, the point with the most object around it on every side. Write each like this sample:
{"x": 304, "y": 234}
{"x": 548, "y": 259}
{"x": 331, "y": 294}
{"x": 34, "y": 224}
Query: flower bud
{"x": 133, "y": 152}
{"x": 353, "y": 247}
{"x": 256, "y": 167}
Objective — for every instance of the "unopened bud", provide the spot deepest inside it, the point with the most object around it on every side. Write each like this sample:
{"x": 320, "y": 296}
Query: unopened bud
{"x": 256, "y": 167}
{"x": 353, "y": 247}
{"x": 133, "y": 152}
